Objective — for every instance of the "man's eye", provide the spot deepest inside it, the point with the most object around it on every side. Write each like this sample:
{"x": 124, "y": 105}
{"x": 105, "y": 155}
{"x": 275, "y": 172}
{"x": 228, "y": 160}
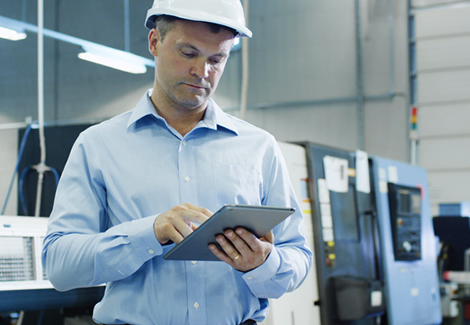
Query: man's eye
{"x": 214, "y": 61}
{"x": 188, "y": 55}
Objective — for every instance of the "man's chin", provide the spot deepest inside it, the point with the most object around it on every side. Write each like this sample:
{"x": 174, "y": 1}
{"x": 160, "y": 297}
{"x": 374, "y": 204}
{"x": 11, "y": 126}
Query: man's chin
{"x": 194, "y": 102}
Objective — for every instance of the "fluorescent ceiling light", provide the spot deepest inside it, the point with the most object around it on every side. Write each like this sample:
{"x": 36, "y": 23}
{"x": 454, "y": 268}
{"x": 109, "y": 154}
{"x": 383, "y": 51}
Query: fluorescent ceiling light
{"x": 113, "y": 62}
{"x": 11, "y": 34}
{"x": 97, "y": 53}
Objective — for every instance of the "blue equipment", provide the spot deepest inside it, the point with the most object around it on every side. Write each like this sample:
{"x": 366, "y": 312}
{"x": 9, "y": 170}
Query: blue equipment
{"x": 407, "y": 243}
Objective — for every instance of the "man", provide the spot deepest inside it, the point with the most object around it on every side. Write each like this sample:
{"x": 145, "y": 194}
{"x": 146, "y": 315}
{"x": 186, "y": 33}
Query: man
{"x": 138, "y": 183}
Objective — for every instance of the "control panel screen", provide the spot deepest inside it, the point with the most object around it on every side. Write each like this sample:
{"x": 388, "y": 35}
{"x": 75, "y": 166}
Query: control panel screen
{"x": 405, "y": 217}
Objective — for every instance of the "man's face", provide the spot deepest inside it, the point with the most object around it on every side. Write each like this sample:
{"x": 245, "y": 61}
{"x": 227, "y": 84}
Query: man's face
{"x": 189, "y": 63}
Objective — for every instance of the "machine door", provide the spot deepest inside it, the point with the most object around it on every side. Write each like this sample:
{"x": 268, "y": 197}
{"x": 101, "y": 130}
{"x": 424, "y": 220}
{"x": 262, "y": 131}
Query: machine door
{"x": 345, "y": 239}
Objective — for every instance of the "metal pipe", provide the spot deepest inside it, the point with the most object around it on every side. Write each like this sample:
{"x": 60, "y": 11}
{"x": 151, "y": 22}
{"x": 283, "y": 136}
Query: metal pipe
{"x": 453, "y": 5}
{"x": 64, "y": 122}
{"x": 245, "y": 67}
{"x": 414, "y": 153}
{"x": 413, "y": 135}
{"x": 23, "y": 10}
{"x": 359, "y": 78}
{"x": 316, "y": 102}
{"x": 391, "y": 43}
{"x": 127, "y": 44}
{"x": 37, "y": 209}
{"x": 42, "y": 140}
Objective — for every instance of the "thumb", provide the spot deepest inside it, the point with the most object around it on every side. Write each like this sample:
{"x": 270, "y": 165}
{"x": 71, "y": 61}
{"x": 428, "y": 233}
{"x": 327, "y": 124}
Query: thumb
{"x": 269, "y": 237}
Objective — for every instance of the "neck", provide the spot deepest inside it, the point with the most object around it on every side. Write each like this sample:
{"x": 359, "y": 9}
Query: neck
{"x": 181, "y": 119}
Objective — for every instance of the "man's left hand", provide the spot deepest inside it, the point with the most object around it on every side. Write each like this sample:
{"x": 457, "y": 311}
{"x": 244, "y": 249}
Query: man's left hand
{"x": 243, "y": 250}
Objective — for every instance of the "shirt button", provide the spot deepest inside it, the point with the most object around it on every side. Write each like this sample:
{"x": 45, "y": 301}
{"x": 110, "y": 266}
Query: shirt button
{"x": 151, "y": 251}
{"x": 194, "y": 262}
{"x": 187, "y": 179}
{"x": 184, "y": 143}
{"x": 250, "y": 278}
{"x": 196, "y": 305}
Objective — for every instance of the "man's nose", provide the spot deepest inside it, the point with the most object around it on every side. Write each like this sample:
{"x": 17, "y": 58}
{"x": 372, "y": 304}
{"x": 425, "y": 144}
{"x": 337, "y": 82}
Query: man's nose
{"x": 200, "y": 69}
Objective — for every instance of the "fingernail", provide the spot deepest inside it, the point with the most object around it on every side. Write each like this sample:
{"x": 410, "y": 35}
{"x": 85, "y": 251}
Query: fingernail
{"x": 239, "y": 231}
{"x": 229, "y": 234}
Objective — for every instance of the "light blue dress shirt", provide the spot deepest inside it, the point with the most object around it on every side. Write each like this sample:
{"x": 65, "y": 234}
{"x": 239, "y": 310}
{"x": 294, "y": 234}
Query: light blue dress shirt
{"x": 122, "y": 173}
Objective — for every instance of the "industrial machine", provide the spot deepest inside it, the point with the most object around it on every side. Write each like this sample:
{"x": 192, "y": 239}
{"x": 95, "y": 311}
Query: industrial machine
{"x": 452, "y": 226}
{"x": 345, "y": 230}
{"x": 374, "y": 246}
{"x": 23, "y": 284}
{"x": 408, "y": 245}
{"x": 298, "y": 307}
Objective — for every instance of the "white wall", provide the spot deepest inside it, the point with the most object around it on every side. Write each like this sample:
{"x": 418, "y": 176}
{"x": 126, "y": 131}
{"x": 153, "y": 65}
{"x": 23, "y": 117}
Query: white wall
{"x": 305, "y": 51}
{"x": 443, "y": 74}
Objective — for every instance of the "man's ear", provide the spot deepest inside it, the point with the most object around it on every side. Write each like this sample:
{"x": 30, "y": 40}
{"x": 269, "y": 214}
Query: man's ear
{"x": 154, "y": 38}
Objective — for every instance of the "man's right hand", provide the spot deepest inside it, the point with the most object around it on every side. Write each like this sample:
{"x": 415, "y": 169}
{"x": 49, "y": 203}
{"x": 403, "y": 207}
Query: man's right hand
{"x": 178, "y": 222}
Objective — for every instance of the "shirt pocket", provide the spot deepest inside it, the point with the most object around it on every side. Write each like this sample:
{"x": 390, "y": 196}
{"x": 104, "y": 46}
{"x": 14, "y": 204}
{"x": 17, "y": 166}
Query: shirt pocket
{"x": 235, "y": 184}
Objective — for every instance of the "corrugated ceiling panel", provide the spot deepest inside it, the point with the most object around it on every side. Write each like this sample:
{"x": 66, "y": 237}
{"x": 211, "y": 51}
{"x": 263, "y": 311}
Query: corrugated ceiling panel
{"x": 445, "y": 187}
{"x": 444, "y": 22}
{"x": 445, "y": 120}
{"x": 442, "y": 53}
{"x": 443, "y": 87}
{"x": 443, "y": 74}
{"x": 427, "y": 3}
{"x": 445, "y": 153}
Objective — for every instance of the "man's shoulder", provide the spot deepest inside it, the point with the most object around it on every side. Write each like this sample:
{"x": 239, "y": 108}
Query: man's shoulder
{"x": 118, "y": 121}
{"x": 247, "y": 128}
{"x": 109, "y": 127}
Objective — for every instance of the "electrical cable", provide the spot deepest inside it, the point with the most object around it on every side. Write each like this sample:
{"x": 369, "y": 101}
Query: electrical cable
{"x": 20, "y": 155}
{"x": 56, "y": 174}
{"x": 41, "y": 316}
{"x": 20, "y": 190}
{"x": 23, "y": 174}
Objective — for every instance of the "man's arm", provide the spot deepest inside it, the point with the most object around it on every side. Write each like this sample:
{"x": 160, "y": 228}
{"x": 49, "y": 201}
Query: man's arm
{"x": 79, "y": 249}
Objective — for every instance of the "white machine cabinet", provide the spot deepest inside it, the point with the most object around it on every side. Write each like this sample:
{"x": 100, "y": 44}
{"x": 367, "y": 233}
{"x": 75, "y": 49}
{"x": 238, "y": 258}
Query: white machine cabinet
{"x": 298, "y": 307}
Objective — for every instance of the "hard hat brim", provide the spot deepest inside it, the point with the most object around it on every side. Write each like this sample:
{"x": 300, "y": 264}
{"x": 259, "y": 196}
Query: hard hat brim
{"x": 202, "y": 16}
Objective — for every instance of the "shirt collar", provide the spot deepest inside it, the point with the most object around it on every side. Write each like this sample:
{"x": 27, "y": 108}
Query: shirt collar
{"x": 144, "y": 108}
{"x": 213, "y": 118}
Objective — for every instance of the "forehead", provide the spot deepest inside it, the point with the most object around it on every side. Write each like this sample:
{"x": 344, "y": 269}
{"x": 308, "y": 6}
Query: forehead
{"x": 199, "y": 35}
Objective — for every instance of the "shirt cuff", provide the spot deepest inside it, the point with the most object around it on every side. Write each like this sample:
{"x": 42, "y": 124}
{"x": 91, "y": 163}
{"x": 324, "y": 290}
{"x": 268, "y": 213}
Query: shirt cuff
{"x": 142, "y": 238}
{"x": 265, "y": 271}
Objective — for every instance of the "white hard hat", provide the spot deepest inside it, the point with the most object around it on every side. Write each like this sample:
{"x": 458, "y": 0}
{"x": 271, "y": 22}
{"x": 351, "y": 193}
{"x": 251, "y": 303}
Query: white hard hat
{"x": 222, "y": 12}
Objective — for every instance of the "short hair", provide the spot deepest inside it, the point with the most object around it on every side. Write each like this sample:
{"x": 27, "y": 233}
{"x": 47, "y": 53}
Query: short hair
{"x": 164, "y": 23}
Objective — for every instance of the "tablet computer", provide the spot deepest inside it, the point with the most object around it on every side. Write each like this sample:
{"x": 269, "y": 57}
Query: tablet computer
{"x": 257, "y": 219}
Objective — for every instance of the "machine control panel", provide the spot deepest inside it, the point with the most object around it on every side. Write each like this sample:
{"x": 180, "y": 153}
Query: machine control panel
{"x": 405, "y": 218}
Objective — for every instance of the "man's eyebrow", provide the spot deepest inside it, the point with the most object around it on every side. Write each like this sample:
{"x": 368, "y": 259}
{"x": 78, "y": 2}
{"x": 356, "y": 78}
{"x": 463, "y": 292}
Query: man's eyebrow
{"x": 223, "y": 55}
{"x": 188, "y": 45}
